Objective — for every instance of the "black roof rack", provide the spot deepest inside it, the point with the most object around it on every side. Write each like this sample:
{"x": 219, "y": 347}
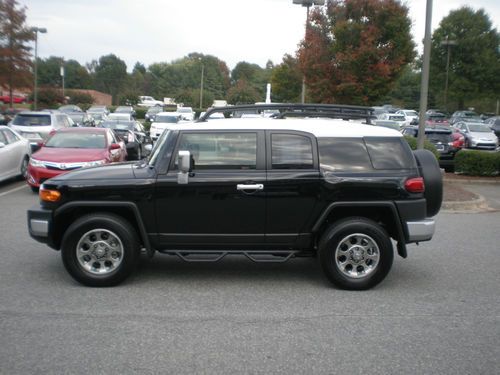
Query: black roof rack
{"x": 345, "y": 112}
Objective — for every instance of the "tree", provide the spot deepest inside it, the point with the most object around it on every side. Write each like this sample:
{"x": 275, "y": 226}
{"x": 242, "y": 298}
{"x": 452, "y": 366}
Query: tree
{"x": 243, "y": 93}
{"x": 15, "y": 62}
{"x": 252, "y": 74}
{"x": 355, "y": 50}
{"x": 76, "y": 76}
{"x": 286, "y": 81}
{"x": 474, "y": 69}
{"x": 110, "y": 75}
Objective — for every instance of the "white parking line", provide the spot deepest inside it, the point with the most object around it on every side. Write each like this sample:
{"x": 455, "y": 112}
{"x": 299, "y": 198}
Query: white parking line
{"x": 13, "y": 190}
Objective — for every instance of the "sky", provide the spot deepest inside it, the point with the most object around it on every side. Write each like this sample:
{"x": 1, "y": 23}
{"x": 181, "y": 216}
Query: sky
{"x": 151, "y": 31}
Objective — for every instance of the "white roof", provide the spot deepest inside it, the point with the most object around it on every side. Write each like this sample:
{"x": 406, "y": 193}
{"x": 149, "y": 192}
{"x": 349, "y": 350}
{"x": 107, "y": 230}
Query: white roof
{"x": 320, "y": 127}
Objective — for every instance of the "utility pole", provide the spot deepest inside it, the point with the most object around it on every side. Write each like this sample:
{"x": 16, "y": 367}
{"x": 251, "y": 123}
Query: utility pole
{"x": 36, "y": 30}
{"x": 448, "y": 43}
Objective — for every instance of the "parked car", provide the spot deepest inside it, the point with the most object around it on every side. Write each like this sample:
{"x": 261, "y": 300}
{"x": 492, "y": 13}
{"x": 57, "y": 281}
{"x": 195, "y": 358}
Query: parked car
{"x": 15, "y": 153}
{"x": 125, "y": 109}
{"x": 3, "y": 120}
{"x": 460, "y": 116}
{"x": 477, "y": 135}
{"x": 436, "y": 119}
{"x": 36, "y": 126}
{"x": 149, "y": 101}
{"x": 152, "y": 112}
{"x": 82, "y": 119}
{"x": 494, "y": 124}
{"x": 269, "y": 189}
{"x": 186, "y": 113}
{"x": 120, "y": 116}
{"x": 411, "y": 116}
{"x": 98, "y": 117}
{"x": 69, "y": 108}
{"x": 98, "y": 109}
{"x": 397, "y": 118}
{"x": 137, "y": 140}
{"x": 16, "y": 99}
{"x": 69, "y": 149}
{"x": 446, "y": 141}
{"x": 162, "y": 121}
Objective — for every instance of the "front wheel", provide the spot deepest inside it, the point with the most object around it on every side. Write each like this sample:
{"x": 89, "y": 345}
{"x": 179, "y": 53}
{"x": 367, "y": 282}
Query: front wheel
{"x": 356, "y": 253}
{"x": 100, "y": 249}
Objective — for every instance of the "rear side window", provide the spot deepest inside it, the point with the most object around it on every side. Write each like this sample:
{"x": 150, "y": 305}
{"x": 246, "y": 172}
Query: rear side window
{"x": 291, "y": 152}
{"x": 389, "y": 153}
{"x": 344, "y": 154}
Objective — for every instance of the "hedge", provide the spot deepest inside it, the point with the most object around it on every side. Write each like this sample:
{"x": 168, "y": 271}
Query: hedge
{"x": 477, "y": 163}
{"x": 412, "y": 141}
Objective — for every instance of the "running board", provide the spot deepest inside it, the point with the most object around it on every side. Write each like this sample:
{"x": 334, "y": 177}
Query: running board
{"x": 258, "y": 256}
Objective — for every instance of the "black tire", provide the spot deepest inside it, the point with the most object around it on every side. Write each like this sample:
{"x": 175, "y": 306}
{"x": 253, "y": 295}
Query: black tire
{"x": 23, "y": 171}
{"x": 90, "y": 260}
{"x": 365, "y": 237}
{"x": 433, "y": 179}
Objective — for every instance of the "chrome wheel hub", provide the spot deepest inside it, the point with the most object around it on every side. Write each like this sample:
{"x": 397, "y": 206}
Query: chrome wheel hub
{"x": 99, "y": 251}
{"x": 357, "y": 255}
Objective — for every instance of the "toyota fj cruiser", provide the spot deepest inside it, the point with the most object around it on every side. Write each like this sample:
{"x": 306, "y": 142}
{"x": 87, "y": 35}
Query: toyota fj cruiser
{"x": 314, "y": 180}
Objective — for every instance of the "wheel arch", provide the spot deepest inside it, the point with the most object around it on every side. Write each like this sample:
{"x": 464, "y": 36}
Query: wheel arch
{"x": 68, "y": 213}
{"x": 385, "y": 213}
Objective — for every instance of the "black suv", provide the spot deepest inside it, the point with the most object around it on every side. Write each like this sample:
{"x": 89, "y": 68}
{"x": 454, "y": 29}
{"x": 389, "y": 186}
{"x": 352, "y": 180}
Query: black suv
{"x": 442, "y": 137}
{"x": 294, "y": 185}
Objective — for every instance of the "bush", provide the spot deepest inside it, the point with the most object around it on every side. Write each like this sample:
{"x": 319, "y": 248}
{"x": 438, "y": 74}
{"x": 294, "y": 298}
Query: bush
{"x": 140, "y": 113}
{"x": 477, "y": 163}
{"x": 80, "y": 98}
{"x": 412, "y": 141}
{"x": 47, "y": 98}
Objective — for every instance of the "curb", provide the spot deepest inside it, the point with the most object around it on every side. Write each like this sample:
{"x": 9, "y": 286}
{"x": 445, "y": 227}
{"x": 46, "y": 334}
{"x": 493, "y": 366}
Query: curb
{"x": 479, "y": 204}
{"x": 472, "y": 181}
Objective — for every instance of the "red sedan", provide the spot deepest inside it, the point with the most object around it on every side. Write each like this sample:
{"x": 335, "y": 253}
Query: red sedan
{"x": 72, "y": 148}
{"x": 15, "y": 99}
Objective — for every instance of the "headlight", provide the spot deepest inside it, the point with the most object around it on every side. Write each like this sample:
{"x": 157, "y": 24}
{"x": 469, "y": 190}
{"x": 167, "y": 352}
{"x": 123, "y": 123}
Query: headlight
{"x": 36, "y": 163}
{"x": 94, "y": 163}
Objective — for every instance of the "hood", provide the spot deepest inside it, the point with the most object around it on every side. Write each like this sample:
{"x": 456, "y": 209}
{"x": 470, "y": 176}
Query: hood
{"x": 69, "y": 155}
{"x": 483, "y": 135}
{"x": 117, "y": 171}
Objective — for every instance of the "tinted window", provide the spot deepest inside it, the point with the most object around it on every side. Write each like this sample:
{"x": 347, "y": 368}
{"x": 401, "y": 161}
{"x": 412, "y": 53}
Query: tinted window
{"x": 343, "y": 154}
{"x": 221, "y": 150}
{"x": 389, "y": 153}
{"x": 291, "y": 151}
{"x": 76, "y": 140}
{"x": 31, "y": 120}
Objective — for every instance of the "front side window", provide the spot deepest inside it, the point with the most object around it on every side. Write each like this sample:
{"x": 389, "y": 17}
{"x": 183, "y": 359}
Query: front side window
{"x": 290, "y": 151}
{"x": 221, "y": 150}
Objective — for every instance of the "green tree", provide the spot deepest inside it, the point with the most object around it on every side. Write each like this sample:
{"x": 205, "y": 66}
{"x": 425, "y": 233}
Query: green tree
{"x": 15, "y": 62}
{"x": 286, "y": 81}
{"x": 474, "y": 68}
{"x": 243, "y": 93}
{"x": 76, "y": 76}
{"x": 355, "y": 50}
{"x": 110, "y": 75}
{"x": 253, "y": 75}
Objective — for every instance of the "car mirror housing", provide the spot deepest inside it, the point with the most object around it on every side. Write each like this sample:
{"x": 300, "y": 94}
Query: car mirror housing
{"x": 184, "y": 163}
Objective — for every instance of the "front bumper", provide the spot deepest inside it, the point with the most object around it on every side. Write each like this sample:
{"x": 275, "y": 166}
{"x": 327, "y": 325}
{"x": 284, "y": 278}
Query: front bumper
{"x": 421, "y": 230}
{"x": 40, "y": 225}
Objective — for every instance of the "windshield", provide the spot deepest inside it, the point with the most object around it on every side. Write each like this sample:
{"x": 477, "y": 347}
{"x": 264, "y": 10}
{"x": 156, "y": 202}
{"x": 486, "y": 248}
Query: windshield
{"x": 396, "y": 117}
{"x": 31, "y": 120}
{"x": 437, "y": 117}
{"x": 185, "y": 110}
{"x": 155, "y": 152}
{"x": 411, "y": 113}
{"x": 77, "y": 140}
{"x": 479, "y": 128}
{"x": 123, "y": 110}
{"x": 438, "y": 137}
{"x": 76, "y": 117}
{"x": 167, "y": 119}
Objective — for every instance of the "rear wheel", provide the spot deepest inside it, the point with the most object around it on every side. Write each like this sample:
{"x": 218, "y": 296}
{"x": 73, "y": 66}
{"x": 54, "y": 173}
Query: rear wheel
{"x": 24, "y": 167}
{"x": 100, "y": 249}
{"x": 356, "y": 253}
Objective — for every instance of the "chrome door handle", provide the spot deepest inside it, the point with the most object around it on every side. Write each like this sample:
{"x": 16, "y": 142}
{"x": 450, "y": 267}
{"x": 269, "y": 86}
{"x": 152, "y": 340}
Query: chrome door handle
{"x": 250, "y": 187}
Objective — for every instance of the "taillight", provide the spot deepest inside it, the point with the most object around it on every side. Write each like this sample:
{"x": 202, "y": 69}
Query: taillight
{"x": 415, "y": 185}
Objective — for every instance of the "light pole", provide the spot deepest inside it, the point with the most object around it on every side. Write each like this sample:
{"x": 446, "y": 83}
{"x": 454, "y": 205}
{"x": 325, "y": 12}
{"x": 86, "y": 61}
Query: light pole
{"x": 62, "y": 78}
{"x": 448, "y": 43}
{"x": 424, "y": 82}
{"x": 36, "y": 30}
{"x": 307, "y": 4}
{"x": 201, "y": 83}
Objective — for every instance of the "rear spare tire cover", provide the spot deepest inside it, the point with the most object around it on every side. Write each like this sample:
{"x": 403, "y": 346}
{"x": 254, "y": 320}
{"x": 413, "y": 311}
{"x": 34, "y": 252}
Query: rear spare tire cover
{"x": 433, "y": 179}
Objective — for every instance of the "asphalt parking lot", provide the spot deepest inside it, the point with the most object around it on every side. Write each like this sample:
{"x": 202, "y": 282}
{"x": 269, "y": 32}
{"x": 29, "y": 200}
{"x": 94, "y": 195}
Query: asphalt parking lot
{"x": 438, "y": 311}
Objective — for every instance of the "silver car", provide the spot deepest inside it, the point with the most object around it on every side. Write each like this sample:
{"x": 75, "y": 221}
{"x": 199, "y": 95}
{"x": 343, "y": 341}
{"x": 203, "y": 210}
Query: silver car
{"x": 14, "y": 154}
{"x": 477, "y": 135}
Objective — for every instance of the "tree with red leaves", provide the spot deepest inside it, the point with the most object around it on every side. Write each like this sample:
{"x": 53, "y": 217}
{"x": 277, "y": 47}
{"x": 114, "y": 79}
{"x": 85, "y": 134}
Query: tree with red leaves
{"x": 354, "y": 50}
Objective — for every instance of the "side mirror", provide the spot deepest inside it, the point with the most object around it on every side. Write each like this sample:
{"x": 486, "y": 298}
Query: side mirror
{"x": 2, "y": 145}
{"x": 184, "y": 163}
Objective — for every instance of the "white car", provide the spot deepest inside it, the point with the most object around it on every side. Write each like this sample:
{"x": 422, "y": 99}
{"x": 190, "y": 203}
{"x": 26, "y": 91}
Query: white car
{"x": 186, "y": 113}
{"x": 410, "y": 115}
{"x": 15, "y": 154}
{"x": 149, "y": 101}
{"x": 163, "y": 120}
{"x": 36, "y": 126}
{"x": 398, "y": 119}
{"x": 477, "y": 135}
{"x": 120, "y": 116}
